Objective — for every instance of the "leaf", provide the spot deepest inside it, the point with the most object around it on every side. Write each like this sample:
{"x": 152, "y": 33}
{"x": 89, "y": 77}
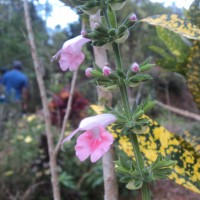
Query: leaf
{"x": 134, "y": 184}
{"x": 174, "y": 43}
{"x": 194, "y": 13}
{"x": 112, "y": 17}
{"x": 160, "y": 140}
{"x": 176, "y": 24}
{"x": 193, "y": 72}
{"x": 161, "y": 51}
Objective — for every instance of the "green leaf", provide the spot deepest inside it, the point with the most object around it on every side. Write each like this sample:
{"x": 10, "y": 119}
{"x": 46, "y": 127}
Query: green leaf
{"x": 139, "y": 114}
{"x": 112, "y": 17}
{"x": 160, "y": 51}
{"x": 134, "y": 184}
{"x": 174, "y": 43}
{"x": 193, "y": 72}
{"x": 194, "y": 13}
{"x": 174, "y": 23}
{"x": 140, "y": 78}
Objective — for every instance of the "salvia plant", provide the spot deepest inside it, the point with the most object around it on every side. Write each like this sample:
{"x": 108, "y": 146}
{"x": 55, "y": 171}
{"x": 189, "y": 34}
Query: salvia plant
{"x": 95, "y": 140}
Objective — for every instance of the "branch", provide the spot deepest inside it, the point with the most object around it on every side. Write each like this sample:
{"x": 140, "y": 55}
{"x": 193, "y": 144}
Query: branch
{"x": 31, "y": 189}
{"x": 179, "y": 111}
{"x": 68, "y": 109}
{"x": 52, "y": 162}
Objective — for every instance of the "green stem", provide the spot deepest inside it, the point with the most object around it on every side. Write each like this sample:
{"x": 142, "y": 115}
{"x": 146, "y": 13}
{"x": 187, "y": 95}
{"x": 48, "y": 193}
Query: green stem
{"x": 124, "y": 95}
{"x": 117, "y": 54}
{"x": 137, "y": 152}
{"x": 145, "y": 191}
{"x": 133, "y": 136}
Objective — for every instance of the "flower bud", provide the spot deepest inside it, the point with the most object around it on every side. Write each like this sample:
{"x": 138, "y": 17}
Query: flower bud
{"x": 96, "y": 24}
{"x": 133, "y": 18}
{"x": 88, "y": 72}
{"x": 130, "y": 20}
{"x": 135, "y": 67}
{"x": 83, "y": 32}
{"x": 106, "y": 71}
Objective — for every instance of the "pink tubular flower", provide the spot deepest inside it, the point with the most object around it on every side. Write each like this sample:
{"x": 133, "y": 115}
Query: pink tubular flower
{"x": 106, "y": 71}
{"x": 135, "y": 67}
{"x": 95, "y": 141}
{"x": 88, "y": 72}
{"x": 71, "y": 55}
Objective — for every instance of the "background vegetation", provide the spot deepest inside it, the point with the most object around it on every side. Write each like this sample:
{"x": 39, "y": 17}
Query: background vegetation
{"x": 24, "y": 169}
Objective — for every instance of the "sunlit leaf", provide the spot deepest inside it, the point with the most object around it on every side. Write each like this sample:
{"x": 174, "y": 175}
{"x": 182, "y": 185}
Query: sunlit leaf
{"x": 160, "y": 140}
{"x": 174, "y": 43}
{"x": 176, "y": 24}
{"x": 193, "y": 72}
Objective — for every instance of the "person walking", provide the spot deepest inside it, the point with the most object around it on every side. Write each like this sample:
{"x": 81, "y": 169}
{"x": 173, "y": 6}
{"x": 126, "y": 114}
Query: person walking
{"x": 15, "y": 83}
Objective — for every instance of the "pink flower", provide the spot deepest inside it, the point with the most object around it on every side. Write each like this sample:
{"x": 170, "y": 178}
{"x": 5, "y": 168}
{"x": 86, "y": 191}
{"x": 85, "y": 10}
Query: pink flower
{"x": 83, "y": 32}
{"x": 95, "y": 141}
{"x": 135, "y": 67}
{"x": 71, "y": 55}
{"x": 106, "y": 71}
{"x": 88, "y": 72}
{"x": 133, "y": 17}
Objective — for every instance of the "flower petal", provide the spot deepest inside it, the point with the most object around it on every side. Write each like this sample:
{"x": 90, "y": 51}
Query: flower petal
{"x": 98, "y": 120}
{"x": 69, "y": 136}
{"x": 83, "y": 146}
{"x": 102, "y": 145}
{"x": 76, "y": 43}
{"x": 70, "y": 55}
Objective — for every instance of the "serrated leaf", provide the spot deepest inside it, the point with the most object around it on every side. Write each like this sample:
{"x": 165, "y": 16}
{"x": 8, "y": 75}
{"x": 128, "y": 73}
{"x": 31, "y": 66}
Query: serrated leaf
{"x": 176, "y": 24}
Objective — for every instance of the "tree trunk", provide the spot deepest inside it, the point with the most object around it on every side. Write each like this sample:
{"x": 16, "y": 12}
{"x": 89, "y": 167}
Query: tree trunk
{"x": 110, "y": 180}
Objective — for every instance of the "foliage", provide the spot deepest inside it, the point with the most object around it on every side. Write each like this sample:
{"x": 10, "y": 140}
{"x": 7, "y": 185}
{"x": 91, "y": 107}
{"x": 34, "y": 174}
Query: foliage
{"x": 18, "y": 150}
{"x": 176, "y": 24}
{"x": 158, "y": 140}
{"x": 181, "y": 56}
{"x": 57, "y": 107}
{"x": 22, "y": 137}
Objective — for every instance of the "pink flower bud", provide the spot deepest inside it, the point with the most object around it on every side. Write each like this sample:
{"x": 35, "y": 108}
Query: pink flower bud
{"x": 96, "y": 24}
{"x": 133, "y": 17}
{"x": 106, "y": 71}
{"x": 135, "y": 67}
{"x": 83, "y": 32}
{"x": 88, "y": 72}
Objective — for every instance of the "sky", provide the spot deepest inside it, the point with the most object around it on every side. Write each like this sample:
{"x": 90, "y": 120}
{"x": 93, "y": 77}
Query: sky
{"x": 63, "y": 15}
{"x": 60, "y": 15}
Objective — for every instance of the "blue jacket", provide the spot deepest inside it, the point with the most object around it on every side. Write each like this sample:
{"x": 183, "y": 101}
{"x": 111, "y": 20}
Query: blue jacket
{"x": 14, "y": 82}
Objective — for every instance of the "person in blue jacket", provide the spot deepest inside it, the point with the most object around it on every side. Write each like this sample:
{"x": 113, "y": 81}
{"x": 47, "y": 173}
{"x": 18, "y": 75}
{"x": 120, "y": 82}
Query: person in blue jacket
{"x": 15, "y": 83}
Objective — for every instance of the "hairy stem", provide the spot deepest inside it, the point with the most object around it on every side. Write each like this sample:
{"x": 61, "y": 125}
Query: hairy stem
{"x": 133, "y": 136}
